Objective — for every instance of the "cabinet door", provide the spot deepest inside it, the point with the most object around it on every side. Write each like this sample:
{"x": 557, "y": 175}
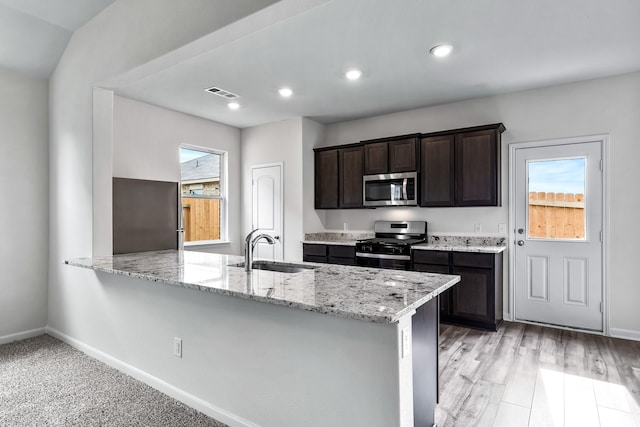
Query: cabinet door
{"x": 402, "y": 156}
{"x": 437, "y": 181}
{"x": 473, "y": 298}
{"x": 326, "y": 179}
{"x": 351, "y": 162}
{"x": 477, "y": 164}
{"x": 314, "y": 253}
{"x": 376, "y": 158}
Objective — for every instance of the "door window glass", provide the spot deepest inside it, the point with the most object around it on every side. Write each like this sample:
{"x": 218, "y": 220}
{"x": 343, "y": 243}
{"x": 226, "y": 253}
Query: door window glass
{"x": 556, "y": 203}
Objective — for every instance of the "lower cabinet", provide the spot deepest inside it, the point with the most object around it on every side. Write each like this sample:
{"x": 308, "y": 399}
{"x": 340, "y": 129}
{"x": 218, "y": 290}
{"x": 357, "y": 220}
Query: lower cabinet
{"x": 477, "y": 300}
{"x": 332, "y": 254}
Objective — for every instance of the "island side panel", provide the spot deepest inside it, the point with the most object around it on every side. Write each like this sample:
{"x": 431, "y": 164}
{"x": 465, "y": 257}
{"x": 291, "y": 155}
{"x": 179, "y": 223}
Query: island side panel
{"x": 425, "y": 326}
{"x": 256, "y": 363}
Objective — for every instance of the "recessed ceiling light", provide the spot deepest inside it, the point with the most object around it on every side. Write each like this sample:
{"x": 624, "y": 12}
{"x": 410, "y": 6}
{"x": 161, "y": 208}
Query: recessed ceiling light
{"x": 285, "y": 92}
{"x": 353, "y": 74}
{"x": 233, "y": 105}
{"x": 441, "y": 50}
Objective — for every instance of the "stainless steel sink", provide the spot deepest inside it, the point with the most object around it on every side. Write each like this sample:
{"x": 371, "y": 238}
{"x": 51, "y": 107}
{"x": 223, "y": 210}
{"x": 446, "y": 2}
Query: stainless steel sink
{"x": 280, "y": 267}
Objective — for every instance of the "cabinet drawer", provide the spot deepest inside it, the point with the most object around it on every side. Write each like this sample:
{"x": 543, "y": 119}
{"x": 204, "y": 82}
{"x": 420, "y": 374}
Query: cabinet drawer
{"x": 342, "y": 251}
{"x": 431, "y": 268}
{"x": 314, "y": 258}
{"x": 341, "y": 261}
{"x": 431, "y": 257}
{"x": 469, "y": 259}
{"x": 316, "y": 250}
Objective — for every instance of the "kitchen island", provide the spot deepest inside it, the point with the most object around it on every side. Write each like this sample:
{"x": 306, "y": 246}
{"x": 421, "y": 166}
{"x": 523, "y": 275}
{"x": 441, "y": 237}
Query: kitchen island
{"x": 328, "y": 345}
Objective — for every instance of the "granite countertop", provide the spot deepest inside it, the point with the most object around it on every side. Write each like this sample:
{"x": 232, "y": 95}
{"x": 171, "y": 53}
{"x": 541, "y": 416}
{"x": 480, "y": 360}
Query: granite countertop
{"x": 449, "y": 243}
{"x": 331, "y": 242}
{"x": 369, "y": 294}
{"x": 459, "y": 248}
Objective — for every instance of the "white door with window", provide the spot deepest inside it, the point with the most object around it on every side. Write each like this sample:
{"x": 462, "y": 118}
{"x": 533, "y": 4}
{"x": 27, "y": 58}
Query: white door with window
{"x": 267, "y": 205}
{"x": 558, "y": 222}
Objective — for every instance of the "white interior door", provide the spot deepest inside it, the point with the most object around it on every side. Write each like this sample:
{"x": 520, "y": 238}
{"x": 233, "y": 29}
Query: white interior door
{"x": 267, "y": 209}
{"x": 558, "y": 233}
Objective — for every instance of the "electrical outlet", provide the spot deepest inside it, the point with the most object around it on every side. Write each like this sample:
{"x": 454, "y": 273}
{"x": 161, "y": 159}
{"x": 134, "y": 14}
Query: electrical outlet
{"x": 406, "y": 342}
{"x": 477, "y": 228}
{"x": 345, "y": 226}
{"x": 502, "y": 228}
{"x": 177, "y": 347}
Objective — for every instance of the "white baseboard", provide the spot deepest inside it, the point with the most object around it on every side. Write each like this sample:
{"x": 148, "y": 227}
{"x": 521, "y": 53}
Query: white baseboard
{"x": 625, "y": 334}
{"x": 22, "y": 335}
{"x": 160, "y": 385}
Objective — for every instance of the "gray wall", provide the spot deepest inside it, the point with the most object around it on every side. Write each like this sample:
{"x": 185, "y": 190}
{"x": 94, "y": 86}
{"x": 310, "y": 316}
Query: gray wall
{"x": 24, "y": 154}
{"x": 83, "y": 306}
{"x": 146, "y": 142}
{"x": 277, "y": 142}
{"x": 604, "y": 106}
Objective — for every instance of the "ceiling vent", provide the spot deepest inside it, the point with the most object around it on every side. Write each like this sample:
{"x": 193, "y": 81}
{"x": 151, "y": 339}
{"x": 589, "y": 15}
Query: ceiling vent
{"x": 221, "y": 92}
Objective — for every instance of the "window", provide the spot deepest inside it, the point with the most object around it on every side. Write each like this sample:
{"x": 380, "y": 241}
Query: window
{"x": 557, "y": 198}
{"x": 202, "y": 182}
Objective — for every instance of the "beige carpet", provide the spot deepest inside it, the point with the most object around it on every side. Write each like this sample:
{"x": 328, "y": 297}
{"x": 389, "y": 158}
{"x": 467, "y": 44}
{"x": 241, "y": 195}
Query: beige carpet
{"x": 45, "y": 382}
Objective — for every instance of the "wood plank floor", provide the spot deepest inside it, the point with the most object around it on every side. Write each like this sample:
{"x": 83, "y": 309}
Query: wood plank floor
{"x": 528, "y": 375}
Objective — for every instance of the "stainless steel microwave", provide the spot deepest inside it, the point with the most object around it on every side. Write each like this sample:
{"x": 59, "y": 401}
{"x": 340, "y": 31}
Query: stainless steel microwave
{"x": 394, "y": 189}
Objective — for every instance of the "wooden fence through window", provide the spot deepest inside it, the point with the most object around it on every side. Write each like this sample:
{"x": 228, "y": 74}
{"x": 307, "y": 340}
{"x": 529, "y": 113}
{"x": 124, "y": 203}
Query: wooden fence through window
{"x": 556, "y": 215}
{"x": 201, "y": 218}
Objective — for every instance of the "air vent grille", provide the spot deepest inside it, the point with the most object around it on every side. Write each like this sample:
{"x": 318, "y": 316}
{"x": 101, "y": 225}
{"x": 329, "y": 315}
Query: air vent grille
{"x": 221, "y": 92}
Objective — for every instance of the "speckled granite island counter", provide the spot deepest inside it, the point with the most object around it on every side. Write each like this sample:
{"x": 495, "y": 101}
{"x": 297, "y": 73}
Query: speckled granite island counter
{"x": 368, "y": 294}
{"x": 345, "y": 346}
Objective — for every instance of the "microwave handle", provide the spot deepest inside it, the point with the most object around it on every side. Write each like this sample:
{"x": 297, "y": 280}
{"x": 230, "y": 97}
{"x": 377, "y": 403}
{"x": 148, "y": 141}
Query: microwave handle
{"x": 404, "y": 188}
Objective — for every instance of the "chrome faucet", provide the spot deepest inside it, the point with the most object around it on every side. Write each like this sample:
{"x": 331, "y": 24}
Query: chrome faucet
{"x": 250, "y": 244}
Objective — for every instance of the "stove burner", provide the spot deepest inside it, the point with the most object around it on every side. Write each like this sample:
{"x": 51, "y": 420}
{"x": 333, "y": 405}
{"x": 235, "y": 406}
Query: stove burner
{"x": 391, "y": 247}
{"x": 392, "y": 241}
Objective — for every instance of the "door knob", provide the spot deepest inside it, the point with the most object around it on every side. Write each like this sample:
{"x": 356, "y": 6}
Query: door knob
{"x": 276, "y": 237}
{"x": 520, "y": 242}
{"x": 520, "y": 231}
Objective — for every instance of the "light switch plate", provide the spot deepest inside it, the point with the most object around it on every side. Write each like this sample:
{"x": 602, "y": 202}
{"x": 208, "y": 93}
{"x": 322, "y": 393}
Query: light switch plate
{"x": 502, "y": 228}
{"x": 177, "y": 347}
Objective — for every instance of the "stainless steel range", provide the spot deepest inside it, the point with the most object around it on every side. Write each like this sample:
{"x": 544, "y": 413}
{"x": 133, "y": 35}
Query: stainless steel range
{"x": 391, "y": 247}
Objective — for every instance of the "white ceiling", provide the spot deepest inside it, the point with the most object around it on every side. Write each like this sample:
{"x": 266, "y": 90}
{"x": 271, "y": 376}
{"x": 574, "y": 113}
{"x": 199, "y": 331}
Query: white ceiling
{"x": 34, "y": 33}
{"x": 499, "y": 46}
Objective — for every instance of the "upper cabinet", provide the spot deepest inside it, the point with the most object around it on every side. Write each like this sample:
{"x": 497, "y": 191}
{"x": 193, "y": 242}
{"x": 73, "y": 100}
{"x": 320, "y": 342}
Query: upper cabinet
{"x": 391, "y": 155}
{"x": 350, "y": 164}
{"x": 456, "y": 168}
{"x": 326, "y": 179}
{"x": 437, "y": 186}
{"x": 338, "y": 177}
{"x": 462, "y": 167}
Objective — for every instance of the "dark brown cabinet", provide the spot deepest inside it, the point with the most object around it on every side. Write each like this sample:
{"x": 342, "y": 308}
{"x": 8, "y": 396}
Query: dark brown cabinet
{"x": 326, "y": 179}
{"x": 477, "y": 299}
{"x": 461, "y": 167}
{"x": 456, "y": 168}
{"x": 391, "y": 155}
{"x": 376, "y": 157}
{"x": 332, "y": 254}
{"x": 477, "y": 168}
{"x": 350, "y": 165}
{"x": 338, "y": 177}
{"x": 437, "y": 165}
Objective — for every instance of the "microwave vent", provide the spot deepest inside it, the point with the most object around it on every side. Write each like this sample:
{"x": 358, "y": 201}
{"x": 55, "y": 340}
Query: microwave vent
{"x": 221, "y": 92}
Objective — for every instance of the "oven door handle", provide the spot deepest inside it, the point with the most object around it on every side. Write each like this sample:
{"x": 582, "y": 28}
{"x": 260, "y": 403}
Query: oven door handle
{"x": 383, "y": 256}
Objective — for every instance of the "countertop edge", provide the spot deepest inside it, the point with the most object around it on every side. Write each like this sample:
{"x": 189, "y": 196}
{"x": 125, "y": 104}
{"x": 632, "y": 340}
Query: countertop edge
{"x": 422, "y": 247}
{"x": 389, "y": 318}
